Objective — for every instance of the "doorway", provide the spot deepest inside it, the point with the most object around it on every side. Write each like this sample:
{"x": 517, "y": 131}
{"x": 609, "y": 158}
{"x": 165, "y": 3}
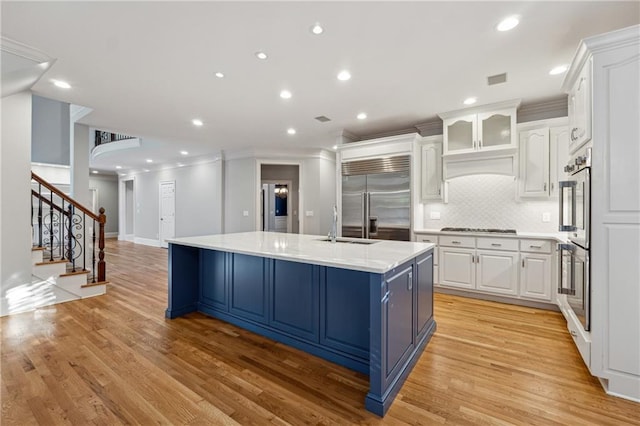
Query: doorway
{"x": 129, "y": 209}
{"x": 167, "y": 212}
{"x": 279, "y": 197}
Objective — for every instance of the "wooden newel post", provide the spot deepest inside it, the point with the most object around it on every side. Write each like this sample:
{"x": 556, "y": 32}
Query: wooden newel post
{"x": 102, "y": 268}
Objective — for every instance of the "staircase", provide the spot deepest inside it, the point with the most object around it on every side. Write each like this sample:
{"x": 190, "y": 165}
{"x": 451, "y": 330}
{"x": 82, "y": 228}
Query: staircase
{"x": 68, "y": 244}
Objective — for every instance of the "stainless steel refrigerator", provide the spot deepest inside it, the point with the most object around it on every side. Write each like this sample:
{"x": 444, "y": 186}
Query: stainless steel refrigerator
{"x": 376, "y": 198}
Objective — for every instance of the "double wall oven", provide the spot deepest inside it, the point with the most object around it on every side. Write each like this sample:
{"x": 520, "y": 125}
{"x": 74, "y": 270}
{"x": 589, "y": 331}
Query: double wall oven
{"x": 573, "y": 265}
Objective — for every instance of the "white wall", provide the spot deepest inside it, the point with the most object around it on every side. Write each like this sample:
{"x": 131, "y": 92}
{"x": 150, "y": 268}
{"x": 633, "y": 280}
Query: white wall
{"x": 240, "y": 188}
{"x": 489, "y": 201}
{"x": 50, "y": 131}
{"x": 198, "y": 201}
{"x": 80, "y": 164}
{"x": 15, "y": 181}
{"x": 281, "y": 172}
{"x": 107, "y": 190}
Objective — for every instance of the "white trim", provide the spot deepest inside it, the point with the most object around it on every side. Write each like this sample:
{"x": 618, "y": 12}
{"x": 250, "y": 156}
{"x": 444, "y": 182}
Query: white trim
{"x": 269, "y": 154}
{"x": 78, "y": 112}
{"x": 513, "y": 103}
{"x": 20, "y": 49}
{"x": 114, "y": 146}
{"x": 147, "y": 242}
{"x": 550, "y": 122}
{"x": 111, "y": 235}
{"x": 122, "y": 207}
{"x": 289, "y": 184}
{"x": 160, "y": 237}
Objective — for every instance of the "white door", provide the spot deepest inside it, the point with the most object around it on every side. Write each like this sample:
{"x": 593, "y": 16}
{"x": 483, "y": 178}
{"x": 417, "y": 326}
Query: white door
{"x": 167, "y": 212}
{"x": 457, "y": 268}
{"x": 535, "y": 277}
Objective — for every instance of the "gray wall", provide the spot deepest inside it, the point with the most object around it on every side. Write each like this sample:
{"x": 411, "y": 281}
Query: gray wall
{"x": 129, "y": 207}
{"x": 107, "y": 187}
{"x": 278, "y": 172}
{"x": 240, "y": 195}
{"x": 198, "y": 200}
{"x": 50, "y": 131}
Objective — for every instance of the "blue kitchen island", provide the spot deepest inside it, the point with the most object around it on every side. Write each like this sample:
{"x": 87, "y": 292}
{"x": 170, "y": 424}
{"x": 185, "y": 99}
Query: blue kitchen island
{"x": 363, "y": 304}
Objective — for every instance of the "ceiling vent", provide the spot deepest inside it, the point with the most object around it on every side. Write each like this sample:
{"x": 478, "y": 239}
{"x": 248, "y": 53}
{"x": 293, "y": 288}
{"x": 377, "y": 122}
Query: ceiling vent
{"x": 497, "y": 79}
{"x": 322, "y": 118}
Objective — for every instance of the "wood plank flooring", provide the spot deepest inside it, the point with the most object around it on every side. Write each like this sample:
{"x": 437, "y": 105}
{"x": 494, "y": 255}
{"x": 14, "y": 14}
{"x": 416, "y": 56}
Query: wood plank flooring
{"x": 115, "y": 359}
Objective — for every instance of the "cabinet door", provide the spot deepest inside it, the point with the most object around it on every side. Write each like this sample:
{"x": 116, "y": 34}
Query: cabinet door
{"x": 424, "y": 293}
{"x": 213, "y": 279}
{"x": 295, "y": 299}
{"x": 399, "y": 307}
{"x": 535, "y": 276}
{"x": 534, "y": 163}
{"x": 580, "y": 110}
{"x": 457, "y": 267}
{"x": 248, "y": 287}
{"x": 495, "y": 130}
{"x": 431, "y": 171}
{"x": 558, "y": 156}
{"x": 460, "y": 134}
{"x": 497, "y": 272}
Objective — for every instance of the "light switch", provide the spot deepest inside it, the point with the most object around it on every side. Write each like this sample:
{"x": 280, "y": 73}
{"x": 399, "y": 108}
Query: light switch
{"x": 435, "y": 215}
{"x": 546, "y": 217}
{"x": 245, "y": 213}
{"x": 309, "y": 213}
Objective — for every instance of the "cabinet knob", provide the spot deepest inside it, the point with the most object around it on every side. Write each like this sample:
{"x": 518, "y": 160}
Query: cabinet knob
{"x": 545, "y": 187}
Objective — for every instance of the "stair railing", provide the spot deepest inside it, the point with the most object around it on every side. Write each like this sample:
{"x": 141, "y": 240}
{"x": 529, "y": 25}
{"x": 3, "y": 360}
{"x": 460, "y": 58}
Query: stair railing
{"x": 62, "y": 230}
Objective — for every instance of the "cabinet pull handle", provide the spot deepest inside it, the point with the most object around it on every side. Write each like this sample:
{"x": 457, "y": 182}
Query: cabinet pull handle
{"x": 496, "y": 245}
{"x": 438, "y": 191}
{"x": 536, "y": 247}
{"x": 410, "y": 281}
{"x": 479, "y": 143}
{"x": 545, "y": 187}
{"x": 573, "y": 134}
{"x": 478, "y": 259}
{"x": 573, "y": 333}
{"x": 523, "y": 263}
{"x": 456, "y": 242}
{"x": 385, "y": 298}
{"x": 473, "y": 258}
{"x": 552, "y": 186}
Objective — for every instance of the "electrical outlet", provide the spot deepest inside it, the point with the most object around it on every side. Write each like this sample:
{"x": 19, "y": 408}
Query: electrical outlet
{"x": 546, "y": 217}
{"x": 434, "y": 215}
{"x": 309, "y": 213}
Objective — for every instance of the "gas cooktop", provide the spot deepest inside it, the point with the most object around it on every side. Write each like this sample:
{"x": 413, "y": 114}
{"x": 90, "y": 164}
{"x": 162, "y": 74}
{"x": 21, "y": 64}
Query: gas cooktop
{"x": 481, "y": 230}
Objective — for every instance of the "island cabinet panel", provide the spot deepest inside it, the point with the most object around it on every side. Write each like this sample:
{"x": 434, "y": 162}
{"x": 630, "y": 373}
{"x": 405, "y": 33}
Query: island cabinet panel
{"x": 424, "y": 294}
{"x": 294, "y": 299}
{"x": 248, "y": 287}
{"x": 213, "y": 281}
{"x": 184, "y": 280}
{"x": 398, "y": 303}
{"x": 344, "y": 311}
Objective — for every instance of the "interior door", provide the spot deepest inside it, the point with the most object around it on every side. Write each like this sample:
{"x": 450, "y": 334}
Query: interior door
{"x": 389, "y": 206}
{"x": 167, "y": 212}
{"x": 353, "y": 188}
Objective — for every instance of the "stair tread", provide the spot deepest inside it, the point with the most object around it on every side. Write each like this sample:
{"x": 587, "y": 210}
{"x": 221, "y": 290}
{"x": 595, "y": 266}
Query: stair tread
{"x": 67, "y": 274}
{"x": 51, "y": 262}
{"x": 37, "y": 248}
{"x": 94, "y": 284}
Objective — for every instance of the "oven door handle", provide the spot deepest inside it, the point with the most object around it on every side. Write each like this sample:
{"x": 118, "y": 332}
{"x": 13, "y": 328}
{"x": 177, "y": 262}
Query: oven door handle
{"x": 572, "y": 281}
{"x": 571, "y": 184}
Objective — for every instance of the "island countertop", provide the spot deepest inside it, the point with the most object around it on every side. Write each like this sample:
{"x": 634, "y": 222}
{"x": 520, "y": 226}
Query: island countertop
{"x": 379, "y": 257}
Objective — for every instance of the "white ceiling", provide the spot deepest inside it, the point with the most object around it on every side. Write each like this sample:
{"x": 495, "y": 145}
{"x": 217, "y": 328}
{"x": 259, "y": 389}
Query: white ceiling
{"x": 147, "y": 68}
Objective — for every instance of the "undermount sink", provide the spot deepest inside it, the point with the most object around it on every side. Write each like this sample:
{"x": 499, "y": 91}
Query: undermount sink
{"x": 347, "y": 241}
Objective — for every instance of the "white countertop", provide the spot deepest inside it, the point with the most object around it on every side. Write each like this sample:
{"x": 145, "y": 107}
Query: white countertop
{"x": 559, "y": 237}
{"x": 378, "y": 257}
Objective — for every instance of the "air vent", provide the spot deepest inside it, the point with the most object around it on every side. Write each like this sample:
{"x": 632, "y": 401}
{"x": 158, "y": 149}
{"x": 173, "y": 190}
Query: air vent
{"x": 497, "y": 79}
{"x": 322, "y": 119}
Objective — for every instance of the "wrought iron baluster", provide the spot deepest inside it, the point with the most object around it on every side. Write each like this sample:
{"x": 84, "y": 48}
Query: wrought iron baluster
{"x": 51, "y": 225}
{"x": 93, "y": 249}
{"x": 39, "y": 215}
{"x": 70, "y": 255}
{"x": 84, "y": 241}
{"x": 61, "y": 227}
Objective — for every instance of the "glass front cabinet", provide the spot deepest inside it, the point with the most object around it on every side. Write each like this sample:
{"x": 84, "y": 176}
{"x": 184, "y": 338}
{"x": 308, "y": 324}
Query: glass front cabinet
{"x": 480, "y": 130}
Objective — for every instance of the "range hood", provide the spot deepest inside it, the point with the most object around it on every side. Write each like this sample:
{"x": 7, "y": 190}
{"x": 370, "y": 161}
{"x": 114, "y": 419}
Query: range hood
{"x": 455, "y": 166}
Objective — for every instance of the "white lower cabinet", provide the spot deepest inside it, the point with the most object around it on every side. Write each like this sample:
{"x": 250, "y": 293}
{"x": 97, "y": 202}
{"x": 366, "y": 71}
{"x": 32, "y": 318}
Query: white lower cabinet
{"x": 535, "y": 276}
{"x": 458, "y": 267}
{"x": 497, "y": 272}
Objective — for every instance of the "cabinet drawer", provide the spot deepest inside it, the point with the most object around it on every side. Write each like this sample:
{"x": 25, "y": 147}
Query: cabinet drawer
{"x": 498, "y": 244}
{"x": 457, "y": 241}
{"x": 536, "y": 246}
{"x": 427, "y": 238}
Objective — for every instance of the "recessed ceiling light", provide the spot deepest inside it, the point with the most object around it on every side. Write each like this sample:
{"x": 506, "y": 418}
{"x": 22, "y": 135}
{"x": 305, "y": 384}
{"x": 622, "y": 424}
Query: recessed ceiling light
{"x": 149, "y": 160}
{"x": 95, "y": 172}
{"x": 344, "y": 75}
{"x": 184, "y": 152}
{"x": 470, "y": 101}
{"x": 118, "y": 167}
{"x": 219, "y": 74}
{"x": 180, "y": 164}
{"x": 146, "y": 170}
{"x": 317, "y": 29}
{"x": 335, "y": 147}
{"x": 508, "y": 23}
{"x": 261, "y": 55}
{"x": 362, "y": 116}
{"x": 285, "y": 94}
{"x": 197, "y": 122}
{"x": 123, "y": 174}
{"x": 61, "y": 84}
{"x": 291, "y": 131}
{"x": 559, "y": 69}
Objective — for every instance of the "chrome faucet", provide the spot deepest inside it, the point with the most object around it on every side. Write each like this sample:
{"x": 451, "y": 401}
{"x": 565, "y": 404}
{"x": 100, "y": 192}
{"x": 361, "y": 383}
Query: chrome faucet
{"x": 333, "y": 232}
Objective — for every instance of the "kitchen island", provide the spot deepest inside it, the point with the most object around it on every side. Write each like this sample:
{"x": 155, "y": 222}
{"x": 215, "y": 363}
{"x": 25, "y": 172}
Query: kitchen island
{"x": 363, "y": 304}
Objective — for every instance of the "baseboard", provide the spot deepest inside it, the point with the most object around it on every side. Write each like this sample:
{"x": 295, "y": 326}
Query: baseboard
{"x": 147, "y": 242}
{"x": 111, "y": 235}
{"x": 496, "y": 298}
{"x": 126, "y": 237}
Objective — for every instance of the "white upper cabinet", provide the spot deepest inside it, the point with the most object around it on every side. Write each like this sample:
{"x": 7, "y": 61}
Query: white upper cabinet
{"x": 559, "y": 155}
{"x": 580, "y": 110}
{"x": 534, "y": 163}
{"x": 431, "y": 169}
{"x": 480, "y": 129}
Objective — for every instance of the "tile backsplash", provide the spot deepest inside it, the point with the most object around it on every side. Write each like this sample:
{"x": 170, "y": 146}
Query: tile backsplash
{"x": 489, "y": 201}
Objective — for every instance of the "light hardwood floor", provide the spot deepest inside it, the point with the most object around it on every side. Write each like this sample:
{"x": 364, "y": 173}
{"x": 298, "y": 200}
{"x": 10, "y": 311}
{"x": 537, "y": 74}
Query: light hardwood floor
{"x": 115, "y": 359}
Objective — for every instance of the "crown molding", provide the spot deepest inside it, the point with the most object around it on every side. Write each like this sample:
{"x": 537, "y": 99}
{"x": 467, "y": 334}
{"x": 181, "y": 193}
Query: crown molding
{"x": 513, "y": 103}
{"x": 270, "y": 154}
{"x": 545, "y": 109}
{"x": 431, "y": 127}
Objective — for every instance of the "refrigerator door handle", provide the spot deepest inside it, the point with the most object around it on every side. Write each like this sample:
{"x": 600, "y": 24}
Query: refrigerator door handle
{"x": 365, "y": 217}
